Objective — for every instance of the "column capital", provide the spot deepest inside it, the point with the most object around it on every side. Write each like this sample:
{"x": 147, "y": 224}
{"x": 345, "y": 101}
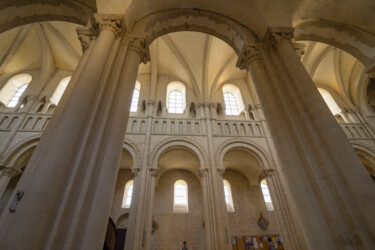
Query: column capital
{"x": 10, "y": 172}
{"x": 111, "y": 24}
{"x": 249, "y": 54}
{"x": 203, "y": 172}
{"x": 221, "y": 171}
{"x": 135, "y": 171}
{"x": 85, "y": 36}
{"x": 153, "y": 171}
{"x": 140, "y": 46}
{"x": 268, "y": 172}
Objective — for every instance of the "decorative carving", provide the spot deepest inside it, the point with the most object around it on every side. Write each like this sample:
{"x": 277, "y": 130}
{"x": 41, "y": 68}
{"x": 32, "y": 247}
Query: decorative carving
{"x": 153, "y": 171}
{"x": 113, "y": 25}
{"x": 203, "y": 172}
{"x": 135, "y": 171}
{"x": 221, "y": 171}
{"x": 85, "y": 36}
{"x": 262, "y": 222}
{"x": 140, "y": 45}
{"x": 10, "y": 172}
{"x": 269, "y": 172}
{"x": 249, "y": 54}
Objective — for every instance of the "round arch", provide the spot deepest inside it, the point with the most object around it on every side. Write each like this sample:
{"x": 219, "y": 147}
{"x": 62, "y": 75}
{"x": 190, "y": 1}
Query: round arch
{"x": 170, "y": 144}
{"x": 134, "y": 151}
{"x": 365, "y": 153}
{"x": 68, "y": 11}
{"x": 352, "y": 40}
{"x": 250, "y": 147}
{"x": 168, "y": 21}
{"x": 14, "y": 153}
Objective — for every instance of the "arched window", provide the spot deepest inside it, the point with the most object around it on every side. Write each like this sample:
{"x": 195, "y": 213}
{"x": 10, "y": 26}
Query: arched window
{"x": 14, "y": 88}
{"x": 331, "y": 103}
{"x": 233, "y": 100}
{"x": 180, "y": 197}
{"x": 266, "y": 195}
{"x": 134, "y": 104}
{"x": 56, "y": 96}
{"x": 127, "y": 199}
{"x": 228, "y": 196}
{"x": 176, "y": 98}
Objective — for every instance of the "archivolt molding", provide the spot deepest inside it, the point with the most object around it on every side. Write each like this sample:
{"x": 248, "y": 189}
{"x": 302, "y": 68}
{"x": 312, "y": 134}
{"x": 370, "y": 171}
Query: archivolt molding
{"x": 134, "y": 151}
{"x": 354, "y": 41}
{"x": 178, "y": 142}
{"x": 243, "y": 143}
{"x": 168, "y": 21}
{"x": 14, "y": 152}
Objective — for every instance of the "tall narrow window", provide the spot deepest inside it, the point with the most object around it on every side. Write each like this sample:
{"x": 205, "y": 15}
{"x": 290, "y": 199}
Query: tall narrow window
{"x": 13, "y": 89}
{"x": 233, "y": 100}
{"x": 230, "y": 104}
{"x": 180, "y": 197}
{"x": 331, "y": 103}
{"x": 266, "y": 195}
{"x": 175, "y": 104}
{"x": 176, "y": 100}
{"x": 13, "y": 102}
{"x": 228, "y": 196}
{"x": 128, "y": 192}
{"x": 136, "y": 92}
{"x": 55, "y": 98}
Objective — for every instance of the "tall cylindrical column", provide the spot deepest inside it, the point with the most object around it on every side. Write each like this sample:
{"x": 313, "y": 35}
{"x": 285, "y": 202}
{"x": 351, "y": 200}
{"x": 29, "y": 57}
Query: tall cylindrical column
{"x": 332, "y": 193}
{"x": 75, "y": 165}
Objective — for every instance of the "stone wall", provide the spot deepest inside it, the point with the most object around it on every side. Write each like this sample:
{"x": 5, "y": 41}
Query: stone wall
{"x": 174, "y": 228}
{"x": 248, "y": 204}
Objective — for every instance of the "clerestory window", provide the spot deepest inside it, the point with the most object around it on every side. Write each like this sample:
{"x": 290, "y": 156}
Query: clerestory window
{"x": 228, "y": 196}
{"x": 135, "y": 99}
{"x": 13, "y": 89}
{"x": 266, "y": 195}
{"x": 128, "y": 192}
{"x": 176, "y": 99}
{"x": 180, "y": 197}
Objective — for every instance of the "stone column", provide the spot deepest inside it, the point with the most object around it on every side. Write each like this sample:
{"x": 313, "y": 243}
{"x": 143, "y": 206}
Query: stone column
{"x": 69, "y": 182}
{"x": 333, "y": 196}
{"x": 134, "y": 208}
{"x": 5, "y": 176}
{"x": 146, "y": 242}
{"x": 206, "y": 208}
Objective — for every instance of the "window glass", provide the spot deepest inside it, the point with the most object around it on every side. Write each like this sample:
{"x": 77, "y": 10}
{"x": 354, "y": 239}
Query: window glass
{"x": 176, "y": 102}
{"x": 13, "y": 102}
{"x": 228, "y": 196}
{"x": 180, "y": 197}
{"x": 266, "y": 195}
{"x": 231, "y": 107}
{"x": 56, "y": 97}
{"x": 128, "y": 192}
{"x": 134, "y": 104}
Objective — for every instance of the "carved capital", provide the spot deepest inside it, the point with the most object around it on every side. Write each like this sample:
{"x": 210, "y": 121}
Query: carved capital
{"x": 140, "y": 45}
{"x": 221, "y": 171}
{"x": 153, "y": 172}
{"x": 113, "y": 25}
{"x": 268, "y": 172}
{"x": 203, "y": 172}
{"x": 85, "y": 36}
{"x": 249, "y": 54}
{"x": 135, "y": 171}
{"x": 10, "y": 172}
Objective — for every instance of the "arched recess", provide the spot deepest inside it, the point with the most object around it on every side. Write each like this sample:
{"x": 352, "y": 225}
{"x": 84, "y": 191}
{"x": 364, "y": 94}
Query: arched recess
{"x": 14, "y": 14}
{"x": 254, "y": 150}
{"x": 367, "y": 156}
{"x": 160, "y": 23}
{"x": 352, "y": 40}
{"x": 16, "y": 152}
{"x": 134, "y": 151}
{"x": 186, "y": 144}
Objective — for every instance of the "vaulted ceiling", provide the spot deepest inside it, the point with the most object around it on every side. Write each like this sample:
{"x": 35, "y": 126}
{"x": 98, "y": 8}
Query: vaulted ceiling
{"x": 201, "y": 61}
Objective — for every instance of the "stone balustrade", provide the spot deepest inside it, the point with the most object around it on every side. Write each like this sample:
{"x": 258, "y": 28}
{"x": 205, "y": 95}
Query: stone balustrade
{"x": 138, "y": 125}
